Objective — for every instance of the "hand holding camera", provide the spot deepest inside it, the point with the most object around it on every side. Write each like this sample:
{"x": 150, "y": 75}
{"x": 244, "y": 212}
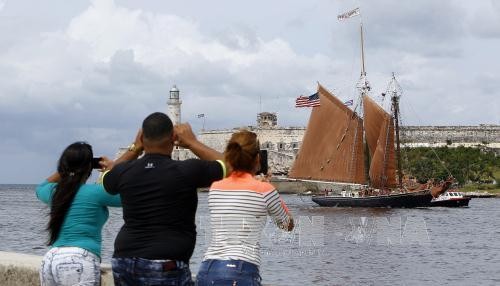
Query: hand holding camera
{"x": 183, "y": 135}
{"x": 102, "y": 163}
{"x": 264, "y": 168}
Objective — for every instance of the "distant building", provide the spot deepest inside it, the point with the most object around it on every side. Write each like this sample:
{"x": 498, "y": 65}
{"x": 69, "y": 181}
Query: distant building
{"x": 174, "y": 105}
{"x": 174, "y": 112}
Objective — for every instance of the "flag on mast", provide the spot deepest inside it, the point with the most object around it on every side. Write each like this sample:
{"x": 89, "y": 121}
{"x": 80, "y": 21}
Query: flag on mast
{"x": 349, "y": 14}
{"x": 307, "y": 101}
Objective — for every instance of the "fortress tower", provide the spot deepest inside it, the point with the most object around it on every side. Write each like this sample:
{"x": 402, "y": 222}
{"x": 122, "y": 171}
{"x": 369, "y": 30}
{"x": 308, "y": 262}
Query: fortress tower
{"x": 174, "y": 106}
{"x": 267, "y": 120}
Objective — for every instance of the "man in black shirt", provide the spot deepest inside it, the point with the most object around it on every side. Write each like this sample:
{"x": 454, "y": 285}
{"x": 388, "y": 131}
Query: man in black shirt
{"x": 159, "y": 202}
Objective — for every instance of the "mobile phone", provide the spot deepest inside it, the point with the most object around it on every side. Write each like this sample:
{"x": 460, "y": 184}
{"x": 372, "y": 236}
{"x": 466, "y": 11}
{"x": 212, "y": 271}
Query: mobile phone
{"x": 263, "y": 162}
{"x": 95, "y": 163}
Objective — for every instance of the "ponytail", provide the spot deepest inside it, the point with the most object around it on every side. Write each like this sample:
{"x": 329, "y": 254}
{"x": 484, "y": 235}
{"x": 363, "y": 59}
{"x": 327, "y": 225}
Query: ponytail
{"x": 74, "y": 168}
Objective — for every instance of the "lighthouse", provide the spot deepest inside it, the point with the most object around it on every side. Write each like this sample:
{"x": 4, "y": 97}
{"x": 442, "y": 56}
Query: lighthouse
{"x": 174, "y": 106}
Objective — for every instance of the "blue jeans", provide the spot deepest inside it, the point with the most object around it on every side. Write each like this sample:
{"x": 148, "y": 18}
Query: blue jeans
{"x": 138, "y": 271}
{"x": 228, "y": 273}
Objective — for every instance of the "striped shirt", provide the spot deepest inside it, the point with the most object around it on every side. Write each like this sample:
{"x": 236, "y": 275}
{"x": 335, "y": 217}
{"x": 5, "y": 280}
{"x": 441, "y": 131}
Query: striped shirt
{"x": 238, "y": 207}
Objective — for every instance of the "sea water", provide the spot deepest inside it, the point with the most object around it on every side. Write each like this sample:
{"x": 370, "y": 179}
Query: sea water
{"x": 329, "y": 246}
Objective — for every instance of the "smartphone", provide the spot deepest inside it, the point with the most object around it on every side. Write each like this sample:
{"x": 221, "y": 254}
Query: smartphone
{"x": 263, "y": 162}
{"x": 95, "y": 163}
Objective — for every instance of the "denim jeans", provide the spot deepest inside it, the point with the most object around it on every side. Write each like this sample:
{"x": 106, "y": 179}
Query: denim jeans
{"x": 70, "y": 266}
{"x": 139, "y": 271}
{"x": 228, "y": 273}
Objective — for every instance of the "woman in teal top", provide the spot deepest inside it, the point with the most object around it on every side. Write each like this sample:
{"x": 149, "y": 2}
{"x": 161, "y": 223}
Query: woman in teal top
{"x": 78, "y": 212}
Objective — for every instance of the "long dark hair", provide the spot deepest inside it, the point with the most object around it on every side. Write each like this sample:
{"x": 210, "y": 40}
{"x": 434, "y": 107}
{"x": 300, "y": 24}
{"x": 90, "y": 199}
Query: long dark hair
{"x": 74, "y": 167}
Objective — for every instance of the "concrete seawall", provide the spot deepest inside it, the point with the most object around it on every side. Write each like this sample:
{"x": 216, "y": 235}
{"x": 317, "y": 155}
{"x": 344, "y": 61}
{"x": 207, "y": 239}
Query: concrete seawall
{"x": 18, "y": 269}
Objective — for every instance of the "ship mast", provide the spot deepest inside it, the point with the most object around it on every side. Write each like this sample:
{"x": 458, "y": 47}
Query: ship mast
{"x": 363, "y": 84}
{"x": 363, "y": 72}
{"x": 395, "y": 89}
{"x": 364, "y": 87}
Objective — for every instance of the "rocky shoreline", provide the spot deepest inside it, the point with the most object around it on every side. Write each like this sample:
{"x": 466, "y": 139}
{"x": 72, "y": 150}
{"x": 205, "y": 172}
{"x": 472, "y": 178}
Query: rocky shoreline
{"x": 478, "y": 194}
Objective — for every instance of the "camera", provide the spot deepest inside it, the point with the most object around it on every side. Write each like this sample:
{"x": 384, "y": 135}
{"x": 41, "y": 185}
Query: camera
{"x": 95, "y": 163}
{"x": 263, "y": 163}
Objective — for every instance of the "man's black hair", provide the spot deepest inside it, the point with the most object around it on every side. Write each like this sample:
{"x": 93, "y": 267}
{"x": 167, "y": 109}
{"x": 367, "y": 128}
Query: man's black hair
{"x": 157, "y": 126}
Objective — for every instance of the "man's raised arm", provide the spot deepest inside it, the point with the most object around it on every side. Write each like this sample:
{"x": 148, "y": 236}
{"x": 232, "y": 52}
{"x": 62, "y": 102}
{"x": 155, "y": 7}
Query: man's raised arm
{"x": 184, "y": 137}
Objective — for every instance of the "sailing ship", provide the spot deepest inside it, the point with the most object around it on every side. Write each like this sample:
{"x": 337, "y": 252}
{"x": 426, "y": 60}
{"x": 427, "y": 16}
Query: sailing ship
{"x": 341, "y": 146}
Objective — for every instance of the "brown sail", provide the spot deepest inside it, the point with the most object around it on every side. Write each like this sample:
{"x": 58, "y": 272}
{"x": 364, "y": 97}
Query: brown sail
{"x": 379, "y": 131}
{"x": 332, "y": 147}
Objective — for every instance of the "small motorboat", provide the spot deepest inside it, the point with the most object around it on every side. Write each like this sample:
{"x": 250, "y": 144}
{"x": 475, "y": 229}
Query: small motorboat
{"x": 451, "y": 199}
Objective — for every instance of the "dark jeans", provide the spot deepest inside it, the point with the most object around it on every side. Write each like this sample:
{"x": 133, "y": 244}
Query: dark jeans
{"x": 139, "y": 271}
{"x": 228, "y": 273}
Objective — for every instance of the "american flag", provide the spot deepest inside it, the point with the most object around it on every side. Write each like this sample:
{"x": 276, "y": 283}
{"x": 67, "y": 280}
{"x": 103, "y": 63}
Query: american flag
{"x": 307, "y": 101}
{"x": 349, "y": 102}
{"x": 349, "y": 14}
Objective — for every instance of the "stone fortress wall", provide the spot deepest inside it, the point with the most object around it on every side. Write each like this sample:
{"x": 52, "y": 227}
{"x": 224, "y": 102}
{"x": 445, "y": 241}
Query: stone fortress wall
{"x": 485, "y": 135}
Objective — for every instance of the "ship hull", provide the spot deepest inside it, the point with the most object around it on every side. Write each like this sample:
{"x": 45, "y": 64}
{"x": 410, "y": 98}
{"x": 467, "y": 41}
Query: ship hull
{"x": 455, "y": 203}
{"x": 406, "y": 200}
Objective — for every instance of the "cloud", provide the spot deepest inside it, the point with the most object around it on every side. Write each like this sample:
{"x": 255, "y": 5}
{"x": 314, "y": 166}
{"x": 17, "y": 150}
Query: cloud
{"x": 96, "y": 79}
{"x": 428, "y": 28}
{"x": 233, "y": 63}
{"x": 488, "y": 83}
{"x": 484, "y": 20}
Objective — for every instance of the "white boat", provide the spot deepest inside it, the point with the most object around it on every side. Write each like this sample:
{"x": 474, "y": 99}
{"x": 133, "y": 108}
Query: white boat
{"x": 451, "y": 199}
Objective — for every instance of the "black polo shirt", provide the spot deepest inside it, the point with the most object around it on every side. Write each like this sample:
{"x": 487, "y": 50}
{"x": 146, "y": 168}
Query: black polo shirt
{"x": 159, "y": 202}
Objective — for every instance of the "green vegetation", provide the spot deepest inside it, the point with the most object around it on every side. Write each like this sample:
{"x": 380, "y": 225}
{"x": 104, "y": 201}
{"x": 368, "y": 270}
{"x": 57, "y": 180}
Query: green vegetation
{"x": 490, "y": 188}
{"x": 473, "y": 168}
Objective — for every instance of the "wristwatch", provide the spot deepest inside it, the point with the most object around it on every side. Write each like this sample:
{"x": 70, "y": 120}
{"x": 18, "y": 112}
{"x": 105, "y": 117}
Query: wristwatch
{"x": 133, "y": 148}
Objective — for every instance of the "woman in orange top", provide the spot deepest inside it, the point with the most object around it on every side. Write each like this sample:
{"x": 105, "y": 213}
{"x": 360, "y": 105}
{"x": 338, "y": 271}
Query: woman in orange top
{"x": 239, "y": 206}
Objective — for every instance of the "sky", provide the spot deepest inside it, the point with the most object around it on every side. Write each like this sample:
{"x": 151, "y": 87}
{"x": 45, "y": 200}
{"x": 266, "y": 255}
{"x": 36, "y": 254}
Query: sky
{"x": 93, "y": 70}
